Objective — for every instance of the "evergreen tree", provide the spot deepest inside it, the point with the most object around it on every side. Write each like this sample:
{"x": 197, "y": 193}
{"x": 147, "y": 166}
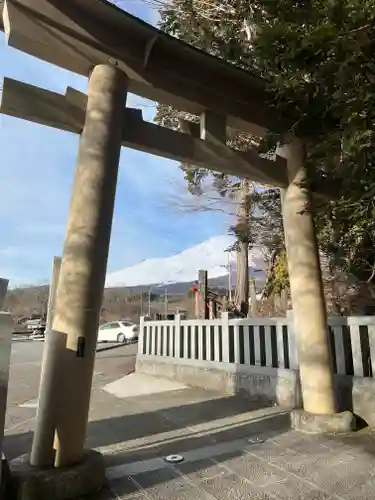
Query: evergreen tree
{"x": 317, "y": 59}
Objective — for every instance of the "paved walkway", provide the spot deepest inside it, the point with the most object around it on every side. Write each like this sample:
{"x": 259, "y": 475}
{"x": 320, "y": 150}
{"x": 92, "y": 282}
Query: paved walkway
{"x": 232, "y": 448}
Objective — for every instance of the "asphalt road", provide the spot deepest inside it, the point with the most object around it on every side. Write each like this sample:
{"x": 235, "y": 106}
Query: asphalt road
{"x": 25, "y": 370}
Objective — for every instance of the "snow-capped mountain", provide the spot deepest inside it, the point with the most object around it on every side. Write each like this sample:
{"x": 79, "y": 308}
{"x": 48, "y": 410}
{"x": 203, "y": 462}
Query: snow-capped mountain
{"x": 183, "y": 267}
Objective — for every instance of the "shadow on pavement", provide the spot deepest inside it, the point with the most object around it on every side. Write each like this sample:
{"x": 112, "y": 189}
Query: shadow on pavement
{"x": 186, "y": 440}
{"x": 165, "y": 419}
{"x": 143, "y": 427}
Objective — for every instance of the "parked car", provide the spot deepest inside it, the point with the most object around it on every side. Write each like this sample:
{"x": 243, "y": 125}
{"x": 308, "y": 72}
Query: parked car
{"x": 118, "y": 331}
{"x": 36, "y": 327}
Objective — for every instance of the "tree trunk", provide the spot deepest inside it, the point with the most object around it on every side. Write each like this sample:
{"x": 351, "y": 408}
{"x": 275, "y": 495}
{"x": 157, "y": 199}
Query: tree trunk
{"x": 242, "y": 283}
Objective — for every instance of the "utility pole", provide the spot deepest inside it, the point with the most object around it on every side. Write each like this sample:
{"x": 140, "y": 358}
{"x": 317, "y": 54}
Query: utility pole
{"x": 166, "y": 302}
{"x": 141, "y": 301}
{"x": 149, "y": 300}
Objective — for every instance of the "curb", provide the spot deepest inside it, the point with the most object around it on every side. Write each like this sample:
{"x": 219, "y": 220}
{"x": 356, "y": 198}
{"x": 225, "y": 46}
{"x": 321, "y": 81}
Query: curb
{"x": 109, "y": 347}
{"x": 100, "y": 349}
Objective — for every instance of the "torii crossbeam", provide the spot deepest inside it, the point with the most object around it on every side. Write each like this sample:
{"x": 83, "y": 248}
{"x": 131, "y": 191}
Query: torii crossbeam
{"x": 67, "y": 112}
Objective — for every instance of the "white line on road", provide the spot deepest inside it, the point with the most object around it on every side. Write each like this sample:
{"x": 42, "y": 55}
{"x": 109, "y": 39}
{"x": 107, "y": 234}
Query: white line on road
{"x": 33, "y": 403}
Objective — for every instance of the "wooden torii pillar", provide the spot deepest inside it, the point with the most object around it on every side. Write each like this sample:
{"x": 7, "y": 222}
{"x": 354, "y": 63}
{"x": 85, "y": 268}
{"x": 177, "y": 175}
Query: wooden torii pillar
{"x": 309, "y": 311}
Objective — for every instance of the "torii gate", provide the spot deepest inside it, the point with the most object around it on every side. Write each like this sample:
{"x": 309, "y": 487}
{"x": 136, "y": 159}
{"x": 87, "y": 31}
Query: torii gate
{"x": 121, "y": 54}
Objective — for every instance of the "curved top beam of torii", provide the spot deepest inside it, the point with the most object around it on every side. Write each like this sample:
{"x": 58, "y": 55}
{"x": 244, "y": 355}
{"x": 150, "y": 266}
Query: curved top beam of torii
{"x": 77, "y": 34}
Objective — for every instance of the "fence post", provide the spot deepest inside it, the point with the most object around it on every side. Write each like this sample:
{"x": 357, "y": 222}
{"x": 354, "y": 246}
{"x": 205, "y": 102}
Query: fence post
{"x": 355, "y": 339}
{"x": 268, "y": 344}
{"x": 225, "y": 336}
{"x": 371, "y": 338}
{"x": 338, "y": 339}
{"x": 292, "y": 341}
{"x": 141, "y": 339}
{"x": 257, "y": 350}
{"x": 177, "y": 337}
{"x": 280, "y": 345}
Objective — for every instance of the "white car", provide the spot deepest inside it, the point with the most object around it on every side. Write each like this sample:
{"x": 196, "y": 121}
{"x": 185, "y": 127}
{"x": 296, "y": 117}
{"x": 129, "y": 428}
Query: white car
{"x": 118, "y": 331}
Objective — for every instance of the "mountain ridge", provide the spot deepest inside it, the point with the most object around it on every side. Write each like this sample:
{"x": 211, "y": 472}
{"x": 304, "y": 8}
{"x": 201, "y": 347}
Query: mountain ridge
{"x": 182, "y": 267}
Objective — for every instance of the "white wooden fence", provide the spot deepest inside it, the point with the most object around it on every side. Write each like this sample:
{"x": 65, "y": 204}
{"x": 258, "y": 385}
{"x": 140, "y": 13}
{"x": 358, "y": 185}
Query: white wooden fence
{"x": 259, "y": 342}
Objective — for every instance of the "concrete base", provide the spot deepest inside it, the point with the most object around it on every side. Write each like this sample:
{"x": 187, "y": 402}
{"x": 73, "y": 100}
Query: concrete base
{"x": 274, "y": 385}
{"x": 259, "y": 383}
{"x": 358, "y": 395}
{"x": 311, "y": 423}
{"x": 63, "y": 483}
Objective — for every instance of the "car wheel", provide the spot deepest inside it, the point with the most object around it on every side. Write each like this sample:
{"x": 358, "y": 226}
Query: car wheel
{"x": 121, "y": 338}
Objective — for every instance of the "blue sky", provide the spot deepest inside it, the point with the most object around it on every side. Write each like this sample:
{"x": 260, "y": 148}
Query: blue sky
{"x": 36, "y": 174}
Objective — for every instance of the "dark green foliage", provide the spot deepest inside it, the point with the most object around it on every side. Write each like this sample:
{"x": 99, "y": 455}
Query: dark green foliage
{"x": 318, "y": 59}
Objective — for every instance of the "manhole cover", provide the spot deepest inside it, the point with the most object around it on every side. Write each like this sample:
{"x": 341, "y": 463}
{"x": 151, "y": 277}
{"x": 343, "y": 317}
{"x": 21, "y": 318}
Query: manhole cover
{"x": 174, "y": 459}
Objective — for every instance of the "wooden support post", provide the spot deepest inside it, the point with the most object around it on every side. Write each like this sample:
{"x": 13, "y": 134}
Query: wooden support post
{"x": 42, "y": 452}
{"x": 202, "y": 297}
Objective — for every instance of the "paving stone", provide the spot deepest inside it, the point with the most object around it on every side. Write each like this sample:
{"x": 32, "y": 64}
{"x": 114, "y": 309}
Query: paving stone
{"x": 364, "y": 492}
{"x": 220, "y": 483}
{"x": 287, "y": 465}
{"x": 275, "y": 454}
{"x": 200, "y": 470}
{"x": 104, "y": 494}
{"x": 296, "y": 489}
{"x": 339, "y": 479}
{"x": 305, "y": 465}
{"x": 362, "y": 442}
{"x": 122, "y": 488}
{"x": 301, "y": 444}
{"x": 168, "y": 484}
{"x": 255, "y": 470}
